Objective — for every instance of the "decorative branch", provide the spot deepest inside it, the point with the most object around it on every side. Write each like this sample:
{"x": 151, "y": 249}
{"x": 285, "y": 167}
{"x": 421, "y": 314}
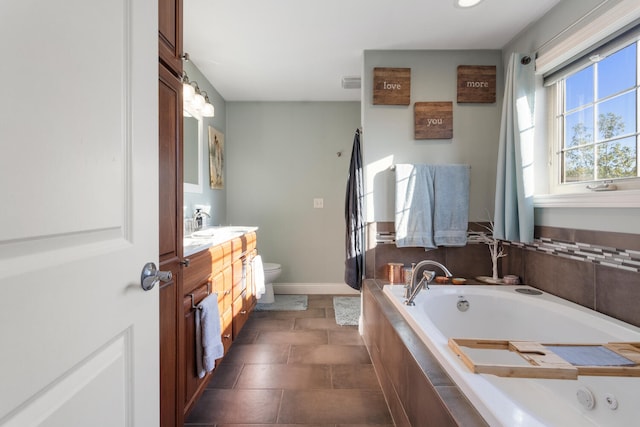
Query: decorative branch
{"x": 495, "y": 247}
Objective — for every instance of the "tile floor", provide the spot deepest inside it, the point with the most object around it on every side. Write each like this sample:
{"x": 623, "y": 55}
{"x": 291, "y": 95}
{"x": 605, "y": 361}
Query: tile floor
{"x": 294, "y": 368}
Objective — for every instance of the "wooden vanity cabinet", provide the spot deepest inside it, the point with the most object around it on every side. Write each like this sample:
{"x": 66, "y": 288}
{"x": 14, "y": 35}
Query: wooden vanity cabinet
{"x": 170, "y": 209}
{"x": 170, "y": 34}
{"x": 170, "y": 243}
{"x": 226, "y": 270}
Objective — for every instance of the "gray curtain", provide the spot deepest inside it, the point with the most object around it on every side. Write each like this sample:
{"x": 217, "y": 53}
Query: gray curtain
{"x": 354, "y": 239}
{"x": 513, "y": 218}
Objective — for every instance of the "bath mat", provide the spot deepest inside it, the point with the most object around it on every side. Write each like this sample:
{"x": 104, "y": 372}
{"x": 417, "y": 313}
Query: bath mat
{"x": 347, "y": 310}
{"x": 284, "y": 303}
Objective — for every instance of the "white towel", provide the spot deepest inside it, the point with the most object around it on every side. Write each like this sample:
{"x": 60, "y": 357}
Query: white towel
{"x": 451, "y": 202}
{"x": 208, "y": 335}
{"x": 258, "y": 276}
{"x": 414, "y": 206}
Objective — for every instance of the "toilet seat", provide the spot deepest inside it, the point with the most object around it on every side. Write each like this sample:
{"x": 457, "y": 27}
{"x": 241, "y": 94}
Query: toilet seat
{"x": 270, "y": 266}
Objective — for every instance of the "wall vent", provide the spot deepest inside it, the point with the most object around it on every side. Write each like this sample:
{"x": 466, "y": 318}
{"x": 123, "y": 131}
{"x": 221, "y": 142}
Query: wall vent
{"x": 351, "y": 82}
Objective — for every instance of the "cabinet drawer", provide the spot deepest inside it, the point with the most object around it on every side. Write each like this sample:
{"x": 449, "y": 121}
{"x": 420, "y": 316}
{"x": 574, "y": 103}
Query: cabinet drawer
{"x": 216, "y": 258}
{"x": 226, "y": 248}
{"x": 237, "y": 248}
{"x": 198, "y": 272}
{"x": 249, "y": 241}
{"x": 240, "y": 314}
{"x": 249, "y": 301}
{"x": 239, "y": 282}
{"x": 199, "y": 293}
{"x": 222, "y": 286}
{"x": 227, "y": 329}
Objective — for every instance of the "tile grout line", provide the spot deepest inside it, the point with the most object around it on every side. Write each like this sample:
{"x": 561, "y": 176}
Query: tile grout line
{"x": 235, "y": 382}
{"x": 279, "y": 406}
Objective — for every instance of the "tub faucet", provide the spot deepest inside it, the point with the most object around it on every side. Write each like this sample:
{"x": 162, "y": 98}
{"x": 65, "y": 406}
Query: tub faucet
{"x": 412, "y": 288}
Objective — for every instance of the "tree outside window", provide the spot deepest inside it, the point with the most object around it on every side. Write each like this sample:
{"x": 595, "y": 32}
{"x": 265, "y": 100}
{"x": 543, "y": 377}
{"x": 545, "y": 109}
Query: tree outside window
{"x": 606, "y": 93}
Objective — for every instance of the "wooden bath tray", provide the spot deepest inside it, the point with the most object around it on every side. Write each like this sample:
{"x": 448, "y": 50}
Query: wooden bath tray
{"x": 612, "y": 359}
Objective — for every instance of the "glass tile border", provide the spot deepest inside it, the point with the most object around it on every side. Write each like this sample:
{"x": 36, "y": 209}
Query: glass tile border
{"x": 624, "y": 259}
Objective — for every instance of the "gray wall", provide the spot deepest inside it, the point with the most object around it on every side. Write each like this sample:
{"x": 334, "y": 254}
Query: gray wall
{"x": 532, "y": 39}
{"x": 216, "y": 199}
{"x": 389, "y": 130}
{"x": 280, "y": 156}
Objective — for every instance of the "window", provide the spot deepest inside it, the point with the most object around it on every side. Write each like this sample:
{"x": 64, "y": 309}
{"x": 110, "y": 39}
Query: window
{"x": 596, "y": 121}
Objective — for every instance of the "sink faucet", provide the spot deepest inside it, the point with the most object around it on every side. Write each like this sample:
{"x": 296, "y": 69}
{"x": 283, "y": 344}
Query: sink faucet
{"x": 198, "y": 216}
{"x": 412, "y": 288}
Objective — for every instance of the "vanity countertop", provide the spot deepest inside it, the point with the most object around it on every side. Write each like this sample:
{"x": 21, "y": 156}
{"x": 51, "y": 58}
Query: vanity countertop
{"x": 211, "y": 236}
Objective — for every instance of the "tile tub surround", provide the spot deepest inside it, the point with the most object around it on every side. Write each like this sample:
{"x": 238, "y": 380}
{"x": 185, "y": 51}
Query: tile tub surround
{"x": 417, "y": 389}
{"x": 467, "y": 261}
{"x": 294, "y": 368}
{"x": 598, "y": 270}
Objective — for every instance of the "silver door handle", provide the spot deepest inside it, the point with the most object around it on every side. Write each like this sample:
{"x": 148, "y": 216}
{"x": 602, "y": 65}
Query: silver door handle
{"x": 151, "y": 275}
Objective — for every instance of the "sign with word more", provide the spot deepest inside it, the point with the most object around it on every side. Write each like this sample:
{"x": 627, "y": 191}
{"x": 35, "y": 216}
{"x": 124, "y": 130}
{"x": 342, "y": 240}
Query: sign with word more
{"x": 391, "y": 86}
{"x": 477, "y": 83}
{"x": 433, "y": 120}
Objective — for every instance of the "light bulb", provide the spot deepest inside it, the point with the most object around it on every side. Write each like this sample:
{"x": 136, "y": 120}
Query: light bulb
{"x": 188, "y": 92}
{"x": 208, "y": 110}
{"x": 198, "y": 101}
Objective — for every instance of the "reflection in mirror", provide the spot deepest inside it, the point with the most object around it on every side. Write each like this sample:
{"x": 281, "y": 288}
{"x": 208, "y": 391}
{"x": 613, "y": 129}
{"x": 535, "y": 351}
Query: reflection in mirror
{"x": 192, "y": 149}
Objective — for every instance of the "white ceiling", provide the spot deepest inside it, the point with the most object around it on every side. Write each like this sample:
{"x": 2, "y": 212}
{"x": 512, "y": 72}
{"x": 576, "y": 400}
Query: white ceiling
{"x": 299, "y": 50}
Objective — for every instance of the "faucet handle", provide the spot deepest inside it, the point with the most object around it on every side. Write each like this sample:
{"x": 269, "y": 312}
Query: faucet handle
{"x": 429, "y": 275}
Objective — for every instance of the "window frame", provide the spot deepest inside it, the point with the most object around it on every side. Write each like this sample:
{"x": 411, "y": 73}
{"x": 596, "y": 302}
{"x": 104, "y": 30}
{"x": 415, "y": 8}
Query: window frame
{"x": 577, "y": 193}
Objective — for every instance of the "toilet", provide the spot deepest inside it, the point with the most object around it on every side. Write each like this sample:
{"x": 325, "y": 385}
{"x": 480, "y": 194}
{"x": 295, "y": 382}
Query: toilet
{"x": 271, "y": 272}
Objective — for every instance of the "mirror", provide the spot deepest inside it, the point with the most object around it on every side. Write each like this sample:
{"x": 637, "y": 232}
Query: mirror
{"x": 192, "y": 149}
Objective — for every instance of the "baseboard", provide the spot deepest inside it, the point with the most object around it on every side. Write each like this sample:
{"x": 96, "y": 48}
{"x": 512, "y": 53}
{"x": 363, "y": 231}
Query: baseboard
{"x": 314, "y": 289}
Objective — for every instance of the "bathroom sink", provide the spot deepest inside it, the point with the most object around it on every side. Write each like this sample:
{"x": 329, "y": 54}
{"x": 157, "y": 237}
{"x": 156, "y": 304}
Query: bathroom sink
{"x": 225, "y": 230}
{"x": 238, "y": 228}
{"x": 203, "y": 239}
{"x": 205, "y": 234}
{"x": 190, "y": 242}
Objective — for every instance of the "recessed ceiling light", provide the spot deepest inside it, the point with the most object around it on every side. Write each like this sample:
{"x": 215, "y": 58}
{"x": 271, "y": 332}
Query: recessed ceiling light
{"x": 467, "y": 3}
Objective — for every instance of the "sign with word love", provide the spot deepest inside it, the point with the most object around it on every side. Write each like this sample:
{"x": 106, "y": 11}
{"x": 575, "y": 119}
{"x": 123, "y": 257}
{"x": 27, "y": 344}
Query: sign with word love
{"x": 433, "y": 120}
{"x": 477, "y": 83}
{"x": 391, "y": 86}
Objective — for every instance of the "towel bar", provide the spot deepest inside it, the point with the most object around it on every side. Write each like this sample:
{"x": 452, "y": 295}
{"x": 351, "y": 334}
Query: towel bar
{"x": 193, "y": 299}
{"x": 393, "y": 167}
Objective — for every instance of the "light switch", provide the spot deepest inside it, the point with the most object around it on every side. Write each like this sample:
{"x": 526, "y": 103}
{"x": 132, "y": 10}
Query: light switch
{"x": 318, "y": 203}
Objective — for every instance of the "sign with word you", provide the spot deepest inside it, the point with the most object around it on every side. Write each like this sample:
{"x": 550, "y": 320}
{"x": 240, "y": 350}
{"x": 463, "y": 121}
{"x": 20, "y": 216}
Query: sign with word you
{"x": 477, "y": 83}
{"x": 433, "y": 120}
{"x": 391, "y": 86}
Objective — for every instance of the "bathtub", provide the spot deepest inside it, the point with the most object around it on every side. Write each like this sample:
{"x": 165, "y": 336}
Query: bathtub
{"x": 499, "y": 312}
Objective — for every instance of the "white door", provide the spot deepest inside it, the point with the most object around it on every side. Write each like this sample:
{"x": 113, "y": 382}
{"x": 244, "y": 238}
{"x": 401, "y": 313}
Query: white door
{"x": 78, "y": 214}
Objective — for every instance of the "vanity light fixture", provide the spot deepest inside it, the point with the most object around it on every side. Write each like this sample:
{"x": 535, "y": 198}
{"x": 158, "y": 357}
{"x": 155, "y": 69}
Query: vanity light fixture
{"x": 198, "y": 100}
{"x": 194, "y": 98}
{"x": 207, "y": 110}
{"x": 188, "y": 91}
{"x": 467, "y": 3}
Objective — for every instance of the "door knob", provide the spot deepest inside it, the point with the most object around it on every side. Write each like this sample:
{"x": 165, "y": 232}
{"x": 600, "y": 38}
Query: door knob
{"x": 151, "y": 275}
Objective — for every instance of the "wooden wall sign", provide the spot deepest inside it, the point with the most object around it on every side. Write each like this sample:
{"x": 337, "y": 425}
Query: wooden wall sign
{"x": 477, "y": 83}
{"x": 391, "y": 86}
{"x": 433, "y": 120}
